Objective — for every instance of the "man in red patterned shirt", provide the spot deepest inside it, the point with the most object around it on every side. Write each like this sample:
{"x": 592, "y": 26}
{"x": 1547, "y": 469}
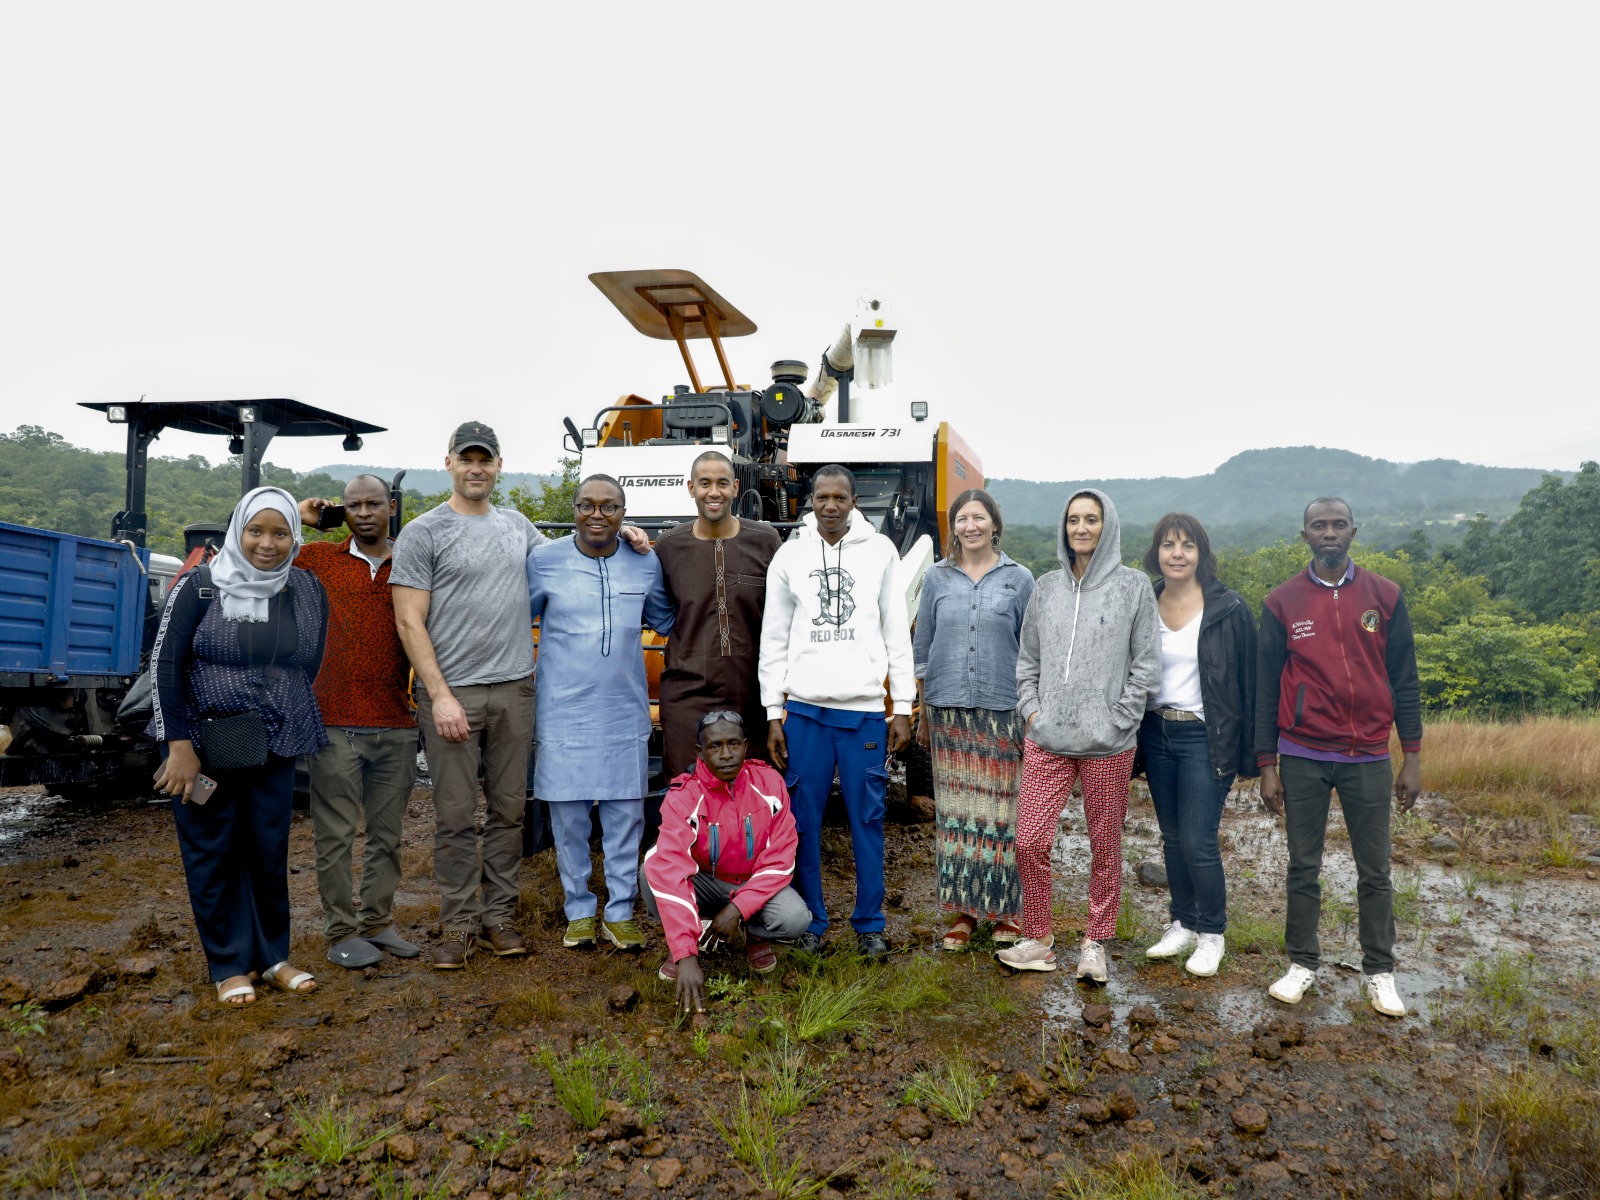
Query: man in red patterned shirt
{"x": 370, "y": 761}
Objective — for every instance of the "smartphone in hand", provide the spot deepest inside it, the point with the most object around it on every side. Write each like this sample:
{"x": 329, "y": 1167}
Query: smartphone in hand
{"x": 330, "y": 516}
{"x": 204, "y": 788}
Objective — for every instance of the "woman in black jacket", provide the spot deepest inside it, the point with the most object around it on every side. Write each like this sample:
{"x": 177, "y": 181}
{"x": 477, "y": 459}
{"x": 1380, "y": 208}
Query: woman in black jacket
{"x": 1197, "y": 735}
{"x": 240, "y": 642}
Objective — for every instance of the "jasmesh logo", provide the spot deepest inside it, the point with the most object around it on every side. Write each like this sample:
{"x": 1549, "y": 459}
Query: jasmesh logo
{"x": 649, "y": 481}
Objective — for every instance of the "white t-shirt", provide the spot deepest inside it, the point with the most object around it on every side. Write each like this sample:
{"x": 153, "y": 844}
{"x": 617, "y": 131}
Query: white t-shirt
{"x": 1180, "y": 668}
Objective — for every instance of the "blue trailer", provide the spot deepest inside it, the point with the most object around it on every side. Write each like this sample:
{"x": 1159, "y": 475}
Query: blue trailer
{"x": 78, "y": 615}
{"x": 72, "y": 617}
{"x": 69, "y": 607}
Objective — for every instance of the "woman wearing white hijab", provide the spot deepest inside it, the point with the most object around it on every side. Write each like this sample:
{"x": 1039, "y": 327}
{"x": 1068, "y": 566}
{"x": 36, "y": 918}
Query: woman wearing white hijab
{"x": 241, "y": 638}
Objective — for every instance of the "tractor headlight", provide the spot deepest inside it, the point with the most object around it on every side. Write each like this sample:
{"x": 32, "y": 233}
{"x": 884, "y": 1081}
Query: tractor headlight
{"x": 117, "y": 414}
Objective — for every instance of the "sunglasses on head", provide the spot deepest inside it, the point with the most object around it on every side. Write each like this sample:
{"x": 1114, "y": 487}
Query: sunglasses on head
{"x": 722, "y": 714}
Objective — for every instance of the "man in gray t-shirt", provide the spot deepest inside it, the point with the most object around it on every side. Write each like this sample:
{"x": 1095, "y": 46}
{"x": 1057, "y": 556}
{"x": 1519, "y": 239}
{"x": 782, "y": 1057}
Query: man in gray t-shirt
{"x": 472, "y": 566}
{"x": 460, "y": 592}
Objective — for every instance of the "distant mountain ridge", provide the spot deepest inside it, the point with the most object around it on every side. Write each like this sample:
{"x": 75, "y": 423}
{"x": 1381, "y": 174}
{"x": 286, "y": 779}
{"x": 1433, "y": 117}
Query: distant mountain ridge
{"x": 1273, "y": 486}
{"x": 1254, "y": 490}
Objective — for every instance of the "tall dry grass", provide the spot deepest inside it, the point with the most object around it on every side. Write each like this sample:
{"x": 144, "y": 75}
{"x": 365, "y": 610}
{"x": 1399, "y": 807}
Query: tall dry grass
{"x": 1514, "y": 768}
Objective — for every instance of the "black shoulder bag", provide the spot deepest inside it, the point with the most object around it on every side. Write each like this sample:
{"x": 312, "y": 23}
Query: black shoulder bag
{"x": 237, "y": 741}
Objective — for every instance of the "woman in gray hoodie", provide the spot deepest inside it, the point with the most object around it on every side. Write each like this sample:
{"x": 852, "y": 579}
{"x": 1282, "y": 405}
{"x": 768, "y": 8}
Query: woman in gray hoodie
{"x": 1089, "y": 661}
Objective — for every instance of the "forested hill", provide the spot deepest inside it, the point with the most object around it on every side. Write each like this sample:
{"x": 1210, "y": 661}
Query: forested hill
{"x": 1269, "y": 489}
{"x": 47, "y": 482}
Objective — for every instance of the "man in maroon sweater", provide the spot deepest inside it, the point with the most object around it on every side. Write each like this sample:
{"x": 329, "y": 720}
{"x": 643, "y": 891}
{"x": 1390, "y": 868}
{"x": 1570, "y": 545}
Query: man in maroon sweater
{"x": 369, "y": 765}
{"x": 1337, "y": 670}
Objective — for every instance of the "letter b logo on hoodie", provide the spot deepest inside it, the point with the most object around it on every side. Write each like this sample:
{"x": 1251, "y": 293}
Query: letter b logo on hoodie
{"x": 833, "y": 593}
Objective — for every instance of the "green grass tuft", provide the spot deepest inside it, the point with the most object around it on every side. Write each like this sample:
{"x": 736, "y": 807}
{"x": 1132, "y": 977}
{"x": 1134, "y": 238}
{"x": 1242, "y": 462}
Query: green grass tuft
{"x": 598, "y": 1071}
{"x": 902, "y": 1178}
{"x": 329, "y": 1133}
{"x": 954, "y": 1089}
{"x": 754, "y": 1137}
{"x": 789, "y": 1084}
{"x": 1130, "y": 1179}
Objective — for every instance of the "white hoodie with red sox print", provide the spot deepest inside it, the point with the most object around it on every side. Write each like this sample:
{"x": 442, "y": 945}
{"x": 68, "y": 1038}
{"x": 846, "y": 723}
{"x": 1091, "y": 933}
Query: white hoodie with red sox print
{"x": 835, "y": 625}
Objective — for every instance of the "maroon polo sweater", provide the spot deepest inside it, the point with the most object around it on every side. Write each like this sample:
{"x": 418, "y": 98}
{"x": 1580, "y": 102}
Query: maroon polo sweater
{"x": 1337, "y": 668}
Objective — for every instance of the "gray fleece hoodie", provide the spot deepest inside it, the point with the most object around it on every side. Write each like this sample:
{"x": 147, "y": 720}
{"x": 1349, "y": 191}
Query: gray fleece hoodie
{"x": 1090, "y": 653}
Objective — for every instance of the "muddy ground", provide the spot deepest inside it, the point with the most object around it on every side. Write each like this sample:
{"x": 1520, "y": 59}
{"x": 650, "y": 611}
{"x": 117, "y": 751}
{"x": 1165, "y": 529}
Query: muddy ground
{"x": 943, "y": 1075}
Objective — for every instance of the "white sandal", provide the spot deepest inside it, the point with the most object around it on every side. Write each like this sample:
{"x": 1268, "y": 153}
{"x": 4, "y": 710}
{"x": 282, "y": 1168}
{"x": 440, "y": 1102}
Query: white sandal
{"x": 232, "y": 997}
{"x": 294, "y": 983}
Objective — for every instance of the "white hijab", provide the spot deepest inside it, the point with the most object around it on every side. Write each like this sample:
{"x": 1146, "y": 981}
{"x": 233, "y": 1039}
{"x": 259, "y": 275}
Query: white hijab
{"x": 244, "y": 587}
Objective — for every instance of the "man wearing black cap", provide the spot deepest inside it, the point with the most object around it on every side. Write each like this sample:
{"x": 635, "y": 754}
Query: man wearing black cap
{"x": 461, "y": 605}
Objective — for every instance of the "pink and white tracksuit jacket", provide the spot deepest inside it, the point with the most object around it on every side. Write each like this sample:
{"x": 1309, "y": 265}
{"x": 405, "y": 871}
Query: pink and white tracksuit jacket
{"x": 741, "y": 833}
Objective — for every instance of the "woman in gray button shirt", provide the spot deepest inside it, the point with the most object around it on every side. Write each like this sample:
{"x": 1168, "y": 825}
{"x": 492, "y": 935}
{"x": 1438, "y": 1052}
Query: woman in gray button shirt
{"x": 965, "y": 650}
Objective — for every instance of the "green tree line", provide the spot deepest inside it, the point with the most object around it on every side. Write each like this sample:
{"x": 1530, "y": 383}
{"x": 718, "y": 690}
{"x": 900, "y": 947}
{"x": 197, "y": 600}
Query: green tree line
{"x": 1507, "y": 619}
{"x": 48, "y": 483}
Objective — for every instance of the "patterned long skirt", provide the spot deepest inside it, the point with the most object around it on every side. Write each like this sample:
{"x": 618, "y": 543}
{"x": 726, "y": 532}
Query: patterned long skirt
{"x": 977, "y": 764}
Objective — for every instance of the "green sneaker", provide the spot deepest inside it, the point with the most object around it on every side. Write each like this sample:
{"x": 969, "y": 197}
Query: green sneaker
{"x": 579, "y": 932}
{"x": 624, "y": 935}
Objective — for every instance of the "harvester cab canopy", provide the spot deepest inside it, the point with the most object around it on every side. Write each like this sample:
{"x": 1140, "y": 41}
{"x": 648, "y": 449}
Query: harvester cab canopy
{"x": 249, "y": 426}
{"x": 679, "y": 306}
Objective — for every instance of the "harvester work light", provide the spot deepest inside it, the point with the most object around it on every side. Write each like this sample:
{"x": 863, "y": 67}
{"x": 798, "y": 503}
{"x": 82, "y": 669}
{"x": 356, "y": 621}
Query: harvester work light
{"x": 591, "y": 438}
{"x": 117, "y": 414}
{"x": 719, "y": 435}
{"x": 919, "y": 410}
{"x": 352, "y": 443}
{"x": 247, "y": 413}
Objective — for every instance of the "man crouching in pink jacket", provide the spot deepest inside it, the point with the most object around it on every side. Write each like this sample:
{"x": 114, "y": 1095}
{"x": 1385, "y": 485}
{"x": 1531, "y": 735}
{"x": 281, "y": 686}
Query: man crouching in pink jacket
{"x": 726, "y": 850}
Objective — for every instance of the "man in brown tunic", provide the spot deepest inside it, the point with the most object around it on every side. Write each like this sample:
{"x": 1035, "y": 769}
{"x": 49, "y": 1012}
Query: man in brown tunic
{"x": 716, "y": 573}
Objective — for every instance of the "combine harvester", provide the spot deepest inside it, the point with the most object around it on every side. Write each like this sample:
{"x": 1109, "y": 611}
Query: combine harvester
{"x": 908, "y": 465}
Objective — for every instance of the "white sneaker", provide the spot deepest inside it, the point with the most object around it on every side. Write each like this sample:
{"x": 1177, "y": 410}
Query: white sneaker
{"x": 1092, "y": 961}
{"x": 1291, "y": 989}
{"x": 1030, "y": 954}
{"x": 1382, "y": 995}
{"x": 1207, "y": 956}
{"x": 1173, "y": 942}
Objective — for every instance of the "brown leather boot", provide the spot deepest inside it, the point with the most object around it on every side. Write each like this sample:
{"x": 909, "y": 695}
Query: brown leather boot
{"x": 505, "y": 941}
{"x": 451, "y": 954}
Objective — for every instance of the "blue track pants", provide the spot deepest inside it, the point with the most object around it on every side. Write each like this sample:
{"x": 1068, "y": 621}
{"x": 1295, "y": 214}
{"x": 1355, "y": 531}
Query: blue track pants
{"x": 816, "y": 748}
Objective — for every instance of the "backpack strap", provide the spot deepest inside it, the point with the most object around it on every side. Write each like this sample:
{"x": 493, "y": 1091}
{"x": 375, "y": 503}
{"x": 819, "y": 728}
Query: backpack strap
{"x": 204, "y": 590}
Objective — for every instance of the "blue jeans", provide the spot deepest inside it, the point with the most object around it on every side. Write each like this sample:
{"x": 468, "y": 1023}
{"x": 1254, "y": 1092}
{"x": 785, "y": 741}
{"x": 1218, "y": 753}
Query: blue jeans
{"x": 622, "y": 825}
{"x": 1188, "y": 798}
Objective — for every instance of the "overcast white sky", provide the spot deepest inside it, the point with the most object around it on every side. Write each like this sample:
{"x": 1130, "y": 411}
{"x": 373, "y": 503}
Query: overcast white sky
{"x": 1122, "y": 240}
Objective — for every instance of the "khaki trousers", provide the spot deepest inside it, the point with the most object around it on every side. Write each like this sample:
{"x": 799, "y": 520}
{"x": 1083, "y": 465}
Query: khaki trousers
{"x": 500, "y": 718}
{"x": 373, "y": 771}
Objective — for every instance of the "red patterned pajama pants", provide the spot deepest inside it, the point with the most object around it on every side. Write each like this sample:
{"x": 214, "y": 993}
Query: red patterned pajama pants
{"x": 1047, "y": 781}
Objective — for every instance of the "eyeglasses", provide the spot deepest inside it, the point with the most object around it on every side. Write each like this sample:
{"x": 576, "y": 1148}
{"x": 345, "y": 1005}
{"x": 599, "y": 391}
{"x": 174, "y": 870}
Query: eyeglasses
{"x": 722, "y": 714}
{"x": 585, "y": 509}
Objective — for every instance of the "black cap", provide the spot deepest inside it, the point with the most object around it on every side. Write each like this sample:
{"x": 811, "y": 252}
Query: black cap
{"x": 474, "y": 433}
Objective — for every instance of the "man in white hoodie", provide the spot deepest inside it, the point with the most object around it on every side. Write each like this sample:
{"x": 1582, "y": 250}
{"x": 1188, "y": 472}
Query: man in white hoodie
{"x": 833, "y": 628}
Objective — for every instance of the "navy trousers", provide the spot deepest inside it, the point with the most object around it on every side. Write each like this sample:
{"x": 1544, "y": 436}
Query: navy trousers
{"x": 236, "y": 859}
{"x": 856, "y": 744}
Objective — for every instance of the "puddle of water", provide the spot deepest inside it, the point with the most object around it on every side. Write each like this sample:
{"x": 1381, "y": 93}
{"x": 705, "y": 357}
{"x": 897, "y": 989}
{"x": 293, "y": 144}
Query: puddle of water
{"x": 1447, "y": 918}
{"x": 25, "y": 814}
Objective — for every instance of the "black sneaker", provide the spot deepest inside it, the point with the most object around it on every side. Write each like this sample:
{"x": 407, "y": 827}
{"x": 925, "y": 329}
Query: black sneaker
{"x": 810, "y": 942}
{"x": 872, "y": 945}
